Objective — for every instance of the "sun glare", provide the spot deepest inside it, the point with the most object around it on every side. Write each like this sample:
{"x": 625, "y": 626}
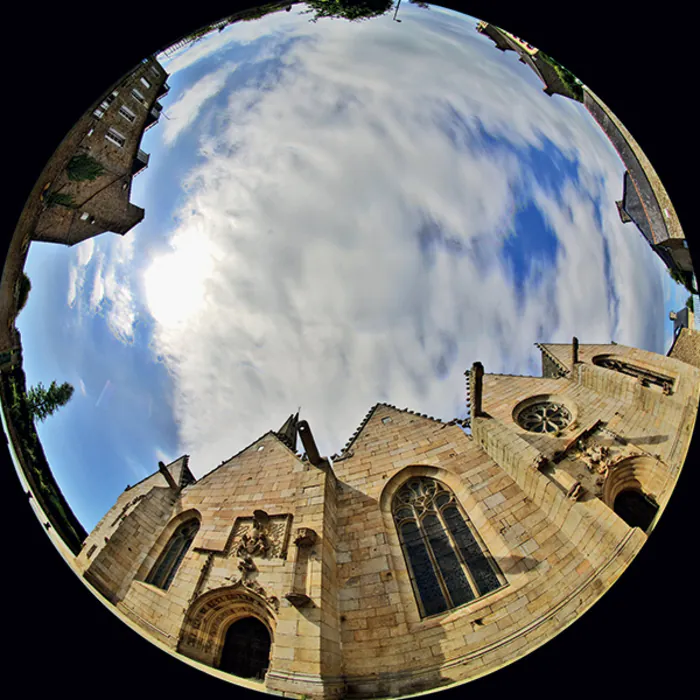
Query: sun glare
{"x": 175, "y": 282}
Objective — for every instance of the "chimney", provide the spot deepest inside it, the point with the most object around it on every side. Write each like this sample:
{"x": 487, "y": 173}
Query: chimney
{"x": 574, "y": 352}
{"x": 477, "y": 388}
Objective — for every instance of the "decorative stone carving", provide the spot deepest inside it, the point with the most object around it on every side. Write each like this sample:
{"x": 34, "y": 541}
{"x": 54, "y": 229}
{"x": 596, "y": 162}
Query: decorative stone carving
{"x": 246, "y": 566}
{"x": 265, "y": 536}
{"x": 539, "y": 462}
{"x": 305, "y": 537}
{"x": 599, "y": 450}
{"x": 255, "y": 587}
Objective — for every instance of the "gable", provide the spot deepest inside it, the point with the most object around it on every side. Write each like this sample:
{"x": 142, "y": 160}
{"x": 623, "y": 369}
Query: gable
{"x": 377, "y": 426}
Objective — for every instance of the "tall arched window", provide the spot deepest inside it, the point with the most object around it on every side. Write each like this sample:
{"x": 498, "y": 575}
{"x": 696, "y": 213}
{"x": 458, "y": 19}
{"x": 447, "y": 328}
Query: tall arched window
{"x": 446, "y": 563}
{"x": 163, "y": 573}
{"x": 646, "y": 376}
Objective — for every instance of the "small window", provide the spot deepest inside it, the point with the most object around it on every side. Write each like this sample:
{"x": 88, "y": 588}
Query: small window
{"x": 91, "y": 551}
{"x": 98, "y": 113}
{"x": 84, "y": 216}
{"x": 127, "y": 114}
{"x": 155, "y": 72}
{"x": 386, "y": 420}
{"x": 261, "y": 448}
{"x": 91, "y": 132}
{"x": 145, "y": 82}
{"x": 111, "y": 97}
{"x": 138, "y": 96}
{"x": 115, "y": 137}
{"x": 104, "y": 105}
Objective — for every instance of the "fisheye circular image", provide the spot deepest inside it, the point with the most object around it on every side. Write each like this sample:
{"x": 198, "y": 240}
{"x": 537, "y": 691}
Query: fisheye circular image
{"x": 349, "y": 348}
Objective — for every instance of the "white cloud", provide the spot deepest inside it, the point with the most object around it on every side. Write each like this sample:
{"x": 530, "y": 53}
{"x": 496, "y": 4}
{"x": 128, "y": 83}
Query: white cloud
{"x": 77, "y": 269}
{"x": 297, "y": 240}
{"x": 182, "y": 113}
{"x": 98, "y": 289}
{"x": 217, "y": 42}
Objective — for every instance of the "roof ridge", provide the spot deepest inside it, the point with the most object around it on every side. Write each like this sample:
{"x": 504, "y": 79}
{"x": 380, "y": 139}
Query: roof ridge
{"x": 343, "y": 452}
{"x": 241, "y": 451}
{"x": 552, "y": 357}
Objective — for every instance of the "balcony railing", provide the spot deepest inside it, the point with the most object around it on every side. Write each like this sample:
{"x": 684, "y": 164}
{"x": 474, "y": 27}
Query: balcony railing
{"x": 140, "y": 162}
{"x": 153, "y": 116}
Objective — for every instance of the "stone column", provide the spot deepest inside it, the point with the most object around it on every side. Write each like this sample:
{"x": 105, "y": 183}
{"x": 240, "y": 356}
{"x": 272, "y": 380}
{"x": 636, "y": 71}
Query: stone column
{"x": 306, "y": 656}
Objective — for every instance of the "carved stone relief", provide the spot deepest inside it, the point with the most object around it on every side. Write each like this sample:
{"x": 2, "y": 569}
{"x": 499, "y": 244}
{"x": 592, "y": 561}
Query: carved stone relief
{"x": 264, "y": 536}
{"x": 593, "y": 456}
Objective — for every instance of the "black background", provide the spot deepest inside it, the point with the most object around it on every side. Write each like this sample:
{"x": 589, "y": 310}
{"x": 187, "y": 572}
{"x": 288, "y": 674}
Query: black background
{"x": 638, "y": 638}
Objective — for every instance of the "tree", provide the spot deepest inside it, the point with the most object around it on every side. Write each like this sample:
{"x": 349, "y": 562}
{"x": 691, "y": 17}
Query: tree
{"x": 54, "y": 198}
{"x": 83, "y": 167}
{"x": 24, "y": 287}
{"x": 352, "y": 10}
{"x": 43, "y": 402}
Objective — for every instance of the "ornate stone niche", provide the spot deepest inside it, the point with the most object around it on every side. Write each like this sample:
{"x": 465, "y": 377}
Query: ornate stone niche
{"x": 262, "y": 535}
{"x": 591, "y": 459}
{"x": 305, "y": 539}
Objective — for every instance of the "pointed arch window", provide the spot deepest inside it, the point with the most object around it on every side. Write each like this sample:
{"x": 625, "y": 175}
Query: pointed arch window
{"x": 646, "y": 377}
{"x": 163, "y": 573}
{"x": 447, "y": 564}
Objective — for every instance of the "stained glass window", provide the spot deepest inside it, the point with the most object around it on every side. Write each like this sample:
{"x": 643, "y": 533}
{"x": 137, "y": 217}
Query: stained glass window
{"x": 447, "y": 566}
{"x": 645, "y": 376}
{"x": 171, "y": 557}
{"x": 544, "y": 417}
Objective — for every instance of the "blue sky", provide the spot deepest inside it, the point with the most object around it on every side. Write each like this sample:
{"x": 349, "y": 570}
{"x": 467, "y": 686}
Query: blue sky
{"x": 336, "y": 214}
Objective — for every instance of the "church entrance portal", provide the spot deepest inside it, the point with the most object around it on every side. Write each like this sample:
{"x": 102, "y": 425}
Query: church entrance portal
{"x": 246, "y": 651}
{"x": 635, "y": 508}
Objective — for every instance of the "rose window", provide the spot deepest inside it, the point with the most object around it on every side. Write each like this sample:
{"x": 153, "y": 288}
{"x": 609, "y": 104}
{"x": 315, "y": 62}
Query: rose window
{"x": 545, "y": 417}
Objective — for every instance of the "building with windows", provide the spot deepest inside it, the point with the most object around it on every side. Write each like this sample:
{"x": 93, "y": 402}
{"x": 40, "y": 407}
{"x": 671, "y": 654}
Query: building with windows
{"x": 91, "y": 194}
{"x": 425, "y": 552}
{"x": 644, "y": 199}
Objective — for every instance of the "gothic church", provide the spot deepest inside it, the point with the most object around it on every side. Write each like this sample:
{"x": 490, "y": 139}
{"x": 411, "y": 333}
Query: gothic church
{"x": 426, "y": 552}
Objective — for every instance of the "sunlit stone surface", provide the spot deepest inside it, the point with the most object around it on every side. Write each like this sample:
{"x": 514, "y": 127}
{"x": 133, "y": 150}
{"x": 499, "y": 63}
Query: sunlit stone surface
{"x": 348, "y": 218}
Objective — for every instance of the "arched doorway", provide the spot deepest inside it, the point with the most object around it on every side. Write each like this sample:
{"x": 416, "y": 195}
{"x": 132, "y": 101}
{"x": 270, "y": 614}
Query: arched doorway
{"x": 246, "y": 651}
{"x": 636, "y": 509}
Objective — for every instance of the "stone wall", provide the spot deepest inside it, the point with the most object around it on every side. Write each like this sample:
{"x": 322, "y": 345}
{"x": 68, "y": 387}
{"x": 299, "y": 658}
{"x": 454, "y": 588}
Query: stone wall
{"x": 103, "y": 204}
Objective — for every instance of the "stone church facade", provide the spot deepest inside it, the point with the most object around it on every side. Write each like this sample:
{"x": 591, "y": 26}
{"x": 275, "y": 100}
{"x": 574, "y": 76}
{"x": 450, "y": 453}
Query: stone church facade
{"x": 422, "y": 554}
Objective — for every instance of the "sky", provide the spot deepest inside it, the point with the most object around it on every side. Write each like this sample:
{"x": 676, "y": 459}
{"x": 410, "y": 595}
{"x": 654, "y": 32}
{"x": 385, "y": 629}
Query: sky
{"x": 337, "y": 214}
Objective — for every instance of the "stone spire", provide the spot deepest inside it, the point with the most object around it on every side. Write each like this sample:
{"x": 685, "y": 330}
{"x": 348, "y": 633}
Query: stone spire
{"x": 288, "y": 432}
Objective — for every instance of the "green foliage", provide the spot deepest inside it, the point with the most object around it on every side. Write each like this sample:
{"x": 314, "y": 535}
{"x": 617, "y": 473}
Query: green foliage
{"x": 572, "y": 83}
{"x": 352, "y": 10}
{"x": 54, "y": 198}
{"x": 24, "y": 288}
{"x": 43, "y": 402}
{"x": 84, "y": 167}
{"x": 34, "y": 462}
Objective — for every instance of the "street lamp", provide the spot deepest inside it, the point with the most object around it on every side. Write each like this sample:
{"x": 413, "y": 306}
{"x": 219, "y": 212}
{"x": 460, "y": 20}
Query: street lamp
{"x": 397, "y": 11}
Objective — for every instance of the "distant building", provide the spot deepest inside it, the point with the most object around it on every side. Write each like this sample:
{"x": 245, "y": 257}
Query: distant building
{"x": 640, "y": 205}
{"x": 645, "y": 200}
{"x": 536, "y": 60}
{"x": 686, "y": 347}
{"x": 684, "y": 318}
{"x": 109, "y": 135}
